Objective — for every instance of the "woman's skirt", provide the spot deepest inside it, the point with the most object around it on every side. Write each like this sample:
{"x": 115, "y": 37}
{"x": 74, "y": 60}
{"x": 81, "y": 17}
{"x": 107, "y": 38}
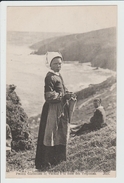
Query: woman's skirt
{"x": 46, "y": 155}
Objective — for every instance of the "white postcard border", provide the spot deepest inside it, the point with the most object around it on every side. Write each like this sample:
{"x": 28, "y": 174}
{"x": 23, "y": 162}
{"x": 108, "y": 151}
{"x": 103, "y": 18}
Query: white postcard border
{"x": 120, "y": 88}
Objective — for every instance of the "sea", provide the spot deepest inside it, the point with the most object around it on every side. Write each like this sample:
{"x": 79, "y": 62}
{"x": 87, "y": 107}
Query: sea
{"x": 27, "y": 72}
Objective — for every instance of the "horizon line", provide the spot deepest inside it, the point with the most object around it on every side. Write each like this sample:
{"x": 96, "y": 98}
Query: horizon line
{"x": 60, "y": 32}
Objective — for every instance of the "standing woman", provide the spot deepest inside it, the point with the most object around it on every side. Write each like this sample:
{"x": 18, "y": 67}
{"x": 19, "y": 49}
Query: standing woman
{"x": 53, "y": 129}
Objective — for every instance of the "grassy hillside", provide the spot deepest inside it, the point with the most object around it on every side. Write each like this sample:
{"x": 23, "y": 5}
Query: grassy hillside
{"x": 92, "y": 152}
{"x": 97, "y": 47}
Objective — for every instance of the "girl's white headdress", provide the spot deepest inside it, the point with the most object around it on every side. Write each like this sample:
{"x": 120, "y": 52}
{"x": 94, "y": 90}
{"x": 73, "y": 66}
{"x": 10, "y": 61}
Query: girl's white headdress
{"x": 50, "y": 56}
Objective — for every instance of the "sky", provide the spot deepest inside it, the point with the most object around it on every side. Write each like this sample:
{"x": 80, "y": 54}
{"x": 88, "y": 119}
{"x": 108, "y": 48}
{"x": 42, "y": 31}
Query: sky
{"x": 73, "y": 19}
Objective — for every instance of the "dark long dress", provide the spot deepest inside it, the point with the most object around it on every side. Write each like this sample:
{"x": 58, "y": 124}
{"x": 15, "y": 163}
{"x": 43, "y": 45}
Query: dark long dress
{"x": 51, "y": 154}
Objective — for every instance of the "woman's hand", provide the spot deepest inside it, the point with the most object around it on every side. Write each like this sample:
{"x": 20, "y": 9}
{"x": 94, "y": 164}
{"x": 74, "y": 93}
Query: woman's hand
{"x": 69, "y": 95}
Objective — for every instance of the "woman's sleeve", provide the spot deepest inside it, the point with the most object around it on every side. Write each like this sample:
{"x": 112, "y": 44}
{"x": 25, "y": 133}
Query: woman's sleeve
{"x": 50, "y": 94}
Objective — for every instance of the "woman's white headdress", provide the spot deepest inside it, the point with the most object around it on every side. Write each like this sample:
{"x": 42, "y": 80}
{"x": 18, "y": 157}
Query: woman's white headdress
{"x": 50, "y": 56}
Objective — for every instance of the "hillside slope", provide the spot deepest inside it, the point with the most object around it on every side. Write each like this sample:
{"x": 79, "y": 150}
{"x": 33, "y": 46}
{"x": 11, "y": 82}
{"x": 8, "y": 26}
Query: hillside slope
{"x": 97, "y": 47}
{"x": 92, "y": 152}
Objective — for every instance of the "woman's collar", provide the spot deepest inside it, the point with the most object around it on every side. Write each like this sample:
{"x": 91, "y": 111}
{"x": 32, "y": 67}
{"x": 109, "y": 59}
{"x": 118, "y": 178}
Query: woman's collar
{"x": 56, "y": 73}
{"x": 99, "y": 107}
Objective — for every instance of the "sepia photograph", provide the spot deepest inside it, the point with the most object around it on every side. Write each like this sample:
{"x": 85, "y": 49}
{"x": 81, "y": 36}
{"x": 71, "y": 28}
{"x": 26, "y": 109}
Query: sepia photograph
{"x": 61, "y": 89}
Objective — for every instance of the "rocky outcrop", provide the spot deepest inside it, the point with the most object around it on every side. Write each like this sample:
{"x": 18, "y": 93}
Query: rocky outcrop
{"x": 17, "y": 119}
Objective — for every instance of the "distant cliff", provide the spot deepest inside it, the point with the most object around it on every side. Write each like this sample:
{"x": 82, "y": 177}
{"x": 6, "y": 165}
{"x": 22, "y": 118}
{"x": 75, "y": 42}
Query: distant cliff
{"x": 97, "y": 47}
{"x": 18, "y": 38}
